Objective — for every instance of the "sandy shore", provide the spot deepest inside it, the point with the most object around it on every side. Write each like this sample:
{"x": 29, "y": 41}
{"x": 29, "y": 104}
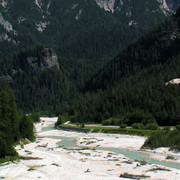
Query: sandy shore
{"x": 44, "y": 159}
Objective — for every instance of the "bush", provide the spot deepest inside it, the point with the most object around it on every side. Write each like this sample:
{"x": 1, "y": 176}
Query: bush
{"x": 112, "y": 121}
{"x": 123, "y": 125}
{"x": 26, "y": 127}
{"x": 61, "y": 120}
{"x": 164, "y": 139}
{"x": 178, "y": 127}
{"x": 152, "y": 126}
{"x": 137, "y": 126}
{"x": 107, "y": 122}
{"x": 35, "y": 117}
{"x": 167, "y": 128}
{"x": 170, "y": 157}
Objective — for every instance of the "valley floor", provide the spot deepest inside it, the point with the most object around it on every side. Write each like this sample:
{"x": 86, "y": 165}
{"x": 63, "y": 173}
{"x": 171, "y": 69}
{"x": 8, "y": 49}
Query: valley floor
{"x": 45, "y": 159}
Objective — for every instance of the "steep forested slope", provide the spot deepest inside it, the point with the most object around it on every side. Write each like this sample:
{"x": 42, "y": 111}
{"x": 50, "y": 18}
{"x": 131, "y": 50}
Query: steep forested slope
{"x": 132, "y": 86}
{"x": 153, "y": 48}
{"x": 139, "y": 98}
{"x": 40, "y": 80}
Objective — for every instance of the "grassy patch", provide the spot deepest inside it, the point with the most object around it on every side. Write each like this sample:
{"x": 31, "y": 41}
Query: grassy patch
{"x": 8, "y": 159}
{"x": 112, "y": 130}
{"x": 115, "y": 130}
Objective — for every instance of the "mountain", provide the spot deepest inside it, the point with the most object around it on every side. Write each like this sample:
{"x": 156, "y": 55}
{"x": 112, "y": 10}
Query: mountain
{"x": 83, "y": 29}
{"x": 132, "y": 87}
{"x": 61, "y": 46}
{"x": 157, "y": 47}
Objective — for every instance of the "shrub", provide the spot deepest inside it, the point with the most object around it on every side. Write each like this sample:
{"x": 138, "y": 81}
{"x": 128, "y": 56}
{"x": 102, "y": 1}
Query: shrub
{"x": 35, "y": 117}
{"x": 123, "y": 125}
{"x": 112, "y": 121}
{"x": 107, "y": 122}
{"x": 61, "y": 120}
{"x": 152, "y": 126}
{"x": 178, "y": 127}
{"x": 167, "y": 128}
{"x": 138, "y": 126}
{"x": 170, "y": 157}
{"x": 164, "y": 139}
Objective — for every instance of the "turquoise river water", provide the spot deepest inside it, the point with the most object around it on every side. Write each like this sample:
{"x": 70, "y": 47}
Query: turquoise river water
{"x": 134, "y": 155}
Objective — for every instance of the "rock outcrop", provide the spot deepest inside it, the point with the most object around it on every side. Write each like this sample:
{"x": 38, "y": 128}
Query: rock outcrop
{"x": 174, "y": 81}
{"x": 48, "y": 59}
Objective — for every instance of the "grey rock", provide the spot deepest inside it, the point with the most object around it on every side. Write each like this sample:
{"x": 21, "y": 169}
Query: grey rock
{"x": 47, "y": 60}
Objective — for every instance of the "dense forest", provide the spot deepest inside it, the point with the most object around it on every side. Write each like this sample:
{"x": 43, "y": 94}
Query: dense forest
{"x": 141, "y": 98}
{"x": 13, "y": 125}
{"x": 130, "y": 88}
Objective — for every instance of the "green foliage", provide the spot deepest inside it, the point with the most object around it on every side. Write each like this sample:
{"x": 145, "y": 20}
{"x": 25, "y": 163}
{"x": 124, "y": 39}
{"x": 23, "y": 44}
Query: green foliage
{"x": 2, "y": 146}
{"x": 164, "y": 139}
{"x": 132, "y": 87}
{"x": 11, "y": 123}
{"x": 139, "y": 116}
{"x": 107, "y": 122}
{"x": 112, "y": 121}
{"x": 152, "y": 126}
{"x": 83, "y": 46}
{"x": 123, "y": 126}
{"x": 8, "y": 158}
{"x": 26, "y": 127}
{"x": 170, "y": 157}
{"x": 128, "y": 89}
{"x": 138, "y": 126}
{"x": 178, "y": 127}
{"x": 35, "y": 117}
{"x": 61, "y": 120}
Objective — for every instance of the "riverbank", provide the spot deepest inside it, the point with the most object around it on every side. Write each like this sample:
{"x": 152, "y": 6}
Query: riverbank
{"x": 45, "y": 159}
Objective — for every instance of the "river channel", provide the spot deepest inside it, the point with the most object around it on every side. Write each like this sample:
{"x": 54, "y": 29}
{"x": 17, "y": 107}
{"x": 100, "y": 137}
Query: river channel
{"x": 134, "y": 155}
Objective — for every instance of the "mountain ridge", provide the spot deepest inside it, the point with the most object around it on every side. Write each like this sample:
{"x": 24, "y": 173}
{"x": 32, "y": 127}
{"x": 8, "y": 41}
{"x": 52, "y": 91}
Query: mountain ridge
{"x": 52, "y": 22}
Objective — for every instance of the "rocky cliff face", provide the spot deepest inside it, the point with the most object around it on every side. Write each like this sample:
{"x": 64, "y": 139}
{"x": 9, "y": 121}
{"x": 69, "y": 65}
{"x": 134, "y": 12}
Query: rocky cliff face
{"x": 27, "y": 22}
{"x": 47, "y": 60}
{"x": 117, "y": 5}
{"x": 129, "y": 5}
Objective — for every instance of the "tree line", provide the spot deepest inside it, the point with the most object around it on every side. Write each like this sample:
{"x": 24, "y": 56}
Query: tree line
{"x": 13, "y": 124}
